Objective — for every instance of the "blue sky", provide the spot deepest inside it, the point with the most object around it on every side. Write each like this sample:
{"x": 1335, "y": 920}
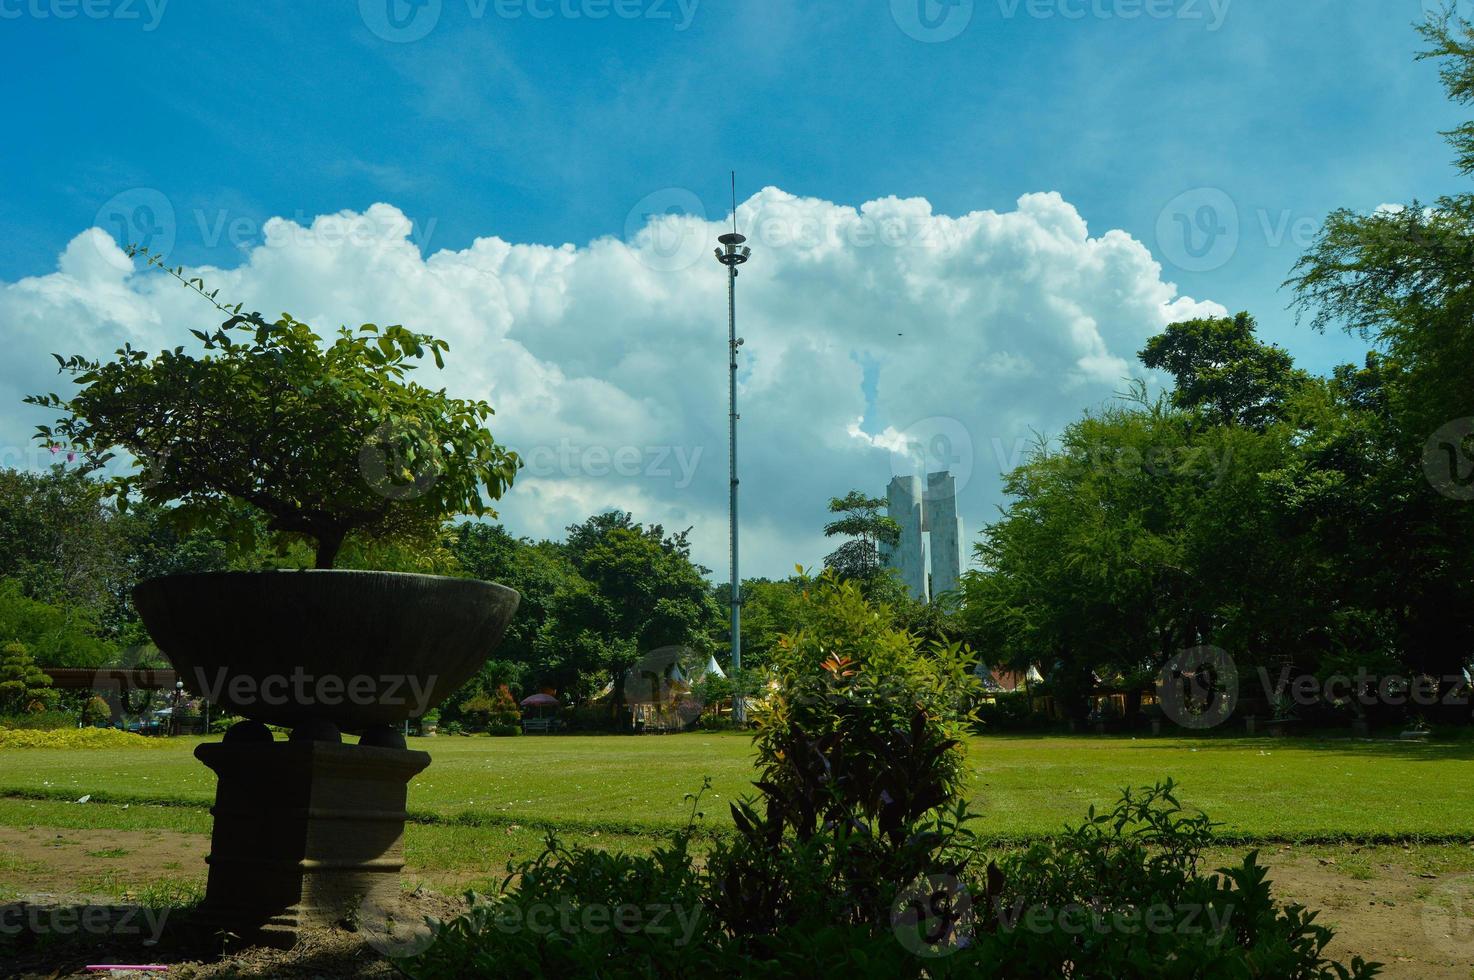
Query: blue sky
{"x": 540, "y": 122}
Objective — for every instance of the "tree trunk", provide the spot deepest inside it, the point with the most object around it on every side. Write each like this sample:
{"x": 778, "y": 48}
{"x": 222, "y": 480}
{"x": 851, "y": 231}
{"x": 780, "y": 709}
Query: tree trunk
{"x": 328, "y": 546}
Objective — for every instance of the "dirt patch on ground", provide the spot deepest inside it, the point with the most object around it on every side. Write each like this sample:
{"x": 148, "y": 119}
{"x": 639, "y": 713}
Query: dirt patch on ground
{"x": 1416, "y": 923}
{"x": 61, "y": 863}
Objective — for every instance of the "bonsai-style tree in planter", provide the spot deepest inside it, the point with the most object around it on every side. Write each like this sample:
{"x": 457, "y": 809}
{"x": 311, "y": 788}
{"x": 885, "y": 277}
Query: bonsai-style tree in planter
{"x": 322, "y": 439}
{"x": 272, "y": 427}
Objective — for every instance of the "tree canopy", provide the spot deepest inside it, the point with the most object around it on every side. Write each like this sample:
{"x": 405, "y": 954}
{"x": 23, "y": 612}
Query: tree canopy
{"x": 322, "y": 438}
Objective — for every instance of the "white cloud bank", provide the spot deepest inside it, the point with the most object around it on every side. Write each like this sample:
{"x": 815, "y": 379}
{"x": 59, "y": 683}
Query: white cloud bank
{"x": 956, "y": 336}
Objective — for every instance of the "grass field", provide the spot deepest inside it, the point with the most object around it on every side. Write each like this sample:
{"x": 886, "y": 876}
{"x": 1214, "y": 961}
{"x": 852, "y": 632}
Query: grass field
{"x": 1258, "y": 789}
{"x": 1367, "y": 831}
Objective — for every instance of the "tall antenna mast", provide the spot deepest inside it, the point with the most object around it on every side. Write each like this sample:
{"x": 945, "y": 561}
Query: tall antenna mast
{"x": 731, "y": 254}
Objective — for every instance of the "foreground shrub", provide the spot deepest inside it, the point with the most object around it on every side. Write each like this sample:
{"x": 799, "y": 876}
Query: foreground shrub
{"x": 504, "y": 718}
{"x": 857, "y": 858}
{"x": 582, "y": 912}
{"x": 1122, "y": 895}
{"x": 76, "y": 738}
{"x": 495, "y": 714}
{"x": 96, "y": 711}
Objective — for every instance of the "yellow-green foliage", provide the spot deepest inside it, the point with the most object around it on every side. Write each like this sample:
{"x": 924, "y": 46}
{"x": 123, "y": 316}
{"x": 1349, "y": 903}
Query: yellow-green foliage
{"x": 847, "y": 657}
{"x": 76, "y": 738}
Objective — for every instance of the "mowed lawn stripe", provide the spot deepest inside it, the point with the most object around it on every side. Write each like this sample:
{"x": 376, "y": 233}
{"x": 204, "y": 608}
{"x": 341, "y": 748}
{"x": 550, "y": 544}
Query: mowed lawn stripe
{"x": 1022, "y": 786}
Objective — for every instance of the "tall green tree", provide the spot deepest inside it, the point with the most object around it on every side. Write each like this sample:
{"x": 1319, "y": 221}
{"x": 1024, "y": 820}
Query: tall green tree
{"x": 863, "y": 521}
{"x": 58, "y": 539}
{"x": 1400, "y": 278}
{"x": 1224, "y": 370}
{"x": 57, "y": 635}
{"x": 769, "y": 610}
{"x": 537, "y": 570}
{"x": 642, "y": 592}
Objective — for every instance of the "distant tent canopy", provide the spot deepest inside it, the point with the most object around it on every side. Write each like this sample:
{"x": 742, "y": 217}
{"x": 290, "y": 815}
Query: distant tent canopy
{"x": 659, "y": 678}
{"x": 665, "y": 680}
{"x": 998, "y": 679}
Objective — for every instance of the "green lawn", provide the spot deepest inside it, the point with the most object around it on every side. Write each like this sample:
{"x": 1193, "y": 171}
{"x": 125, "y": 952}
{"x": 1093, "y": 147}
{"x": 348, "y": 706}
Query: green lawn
{"x": 1022, "y": 786}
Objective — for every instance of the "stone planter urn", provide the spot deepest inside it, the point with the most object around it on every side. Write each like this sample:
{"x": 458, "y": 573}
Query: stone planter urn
{"x": 309, "y": 830}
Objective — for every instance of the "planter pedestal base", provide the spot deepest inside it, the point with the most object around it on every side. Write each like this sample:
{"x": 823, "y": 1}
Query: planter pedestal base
{"x": 306, "y": 833}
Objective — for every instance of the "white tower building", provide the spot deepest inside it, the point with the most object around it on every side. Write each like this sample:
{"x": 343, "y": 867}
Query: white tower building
{"x": 939, "y": 518}
{"x": 908, "y": 557}
{"x": 930, "y": 528}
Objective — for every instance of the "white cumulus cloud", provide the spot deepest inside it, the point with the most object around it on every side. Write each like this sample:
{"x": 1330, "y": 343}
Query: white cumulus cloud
{"x": 872, "y": 334}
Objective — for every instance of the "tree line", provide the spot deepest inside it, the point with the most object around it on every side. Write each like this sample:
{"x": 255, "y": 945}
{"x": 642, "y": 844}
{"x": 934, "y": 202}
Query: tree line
{"x": 1306, "y": 525}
